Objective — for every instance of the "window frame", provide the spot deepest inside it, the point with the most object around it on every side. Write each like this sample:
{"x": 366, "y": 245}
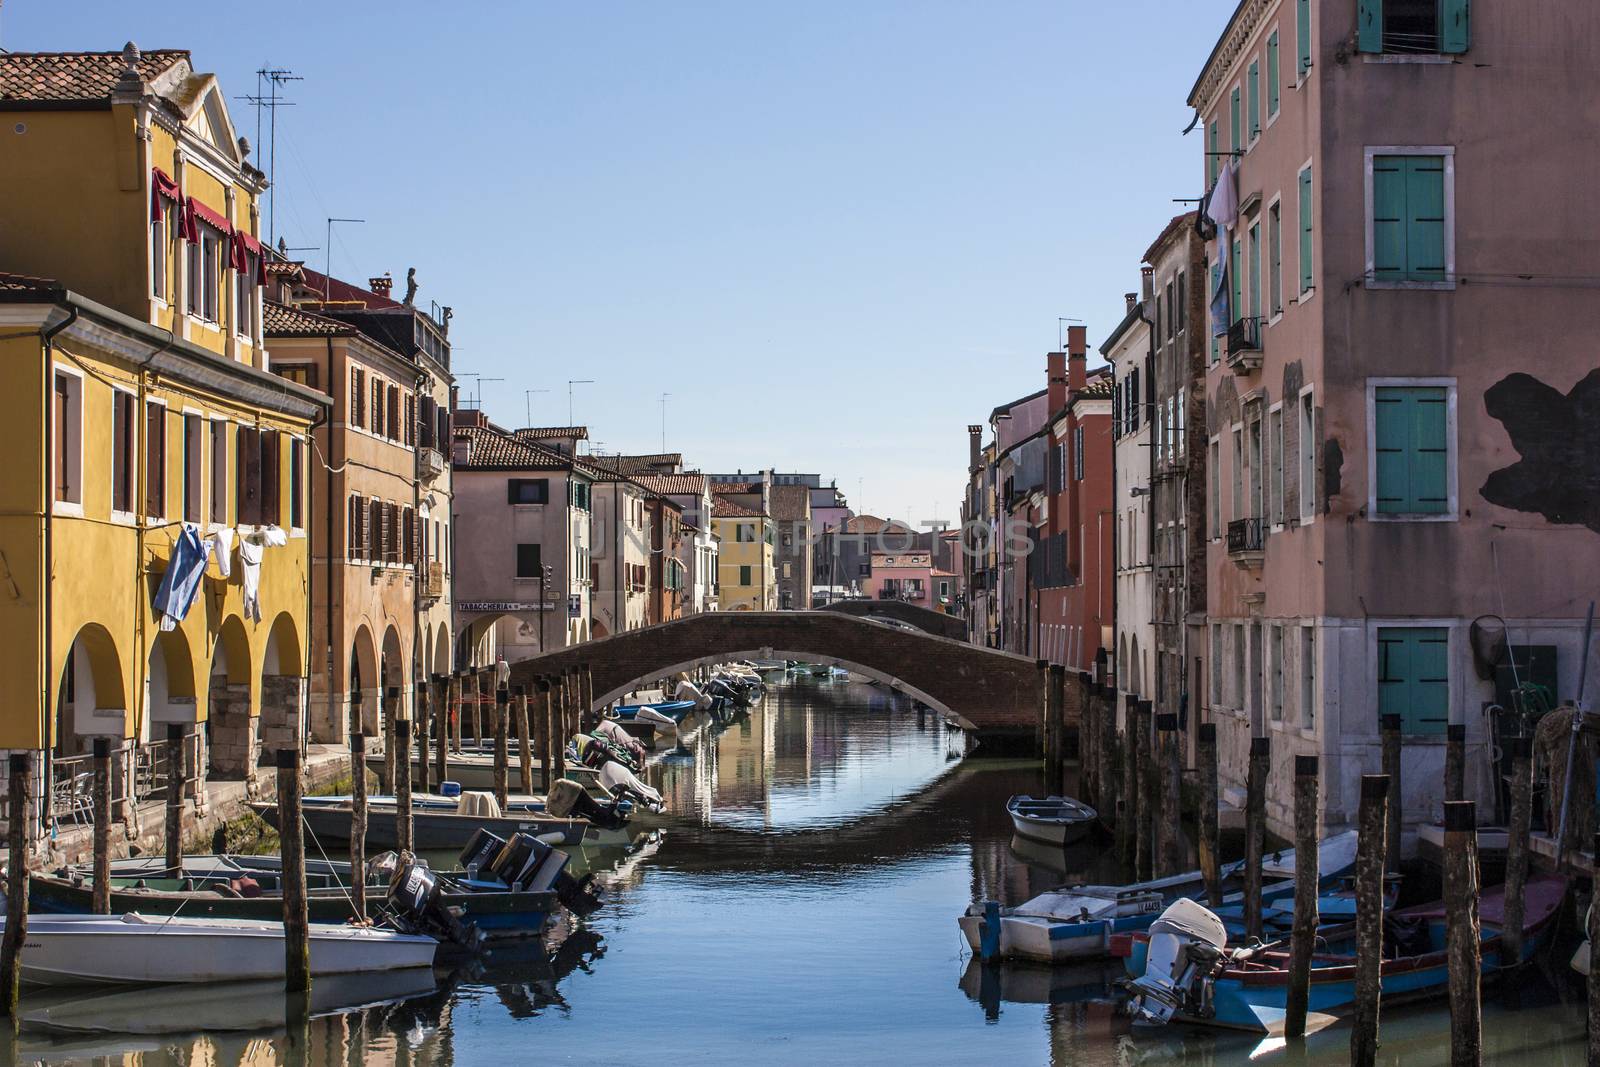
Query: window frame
{"x": 205, "y": 280}
{"x": 194, "y": 467}
{"x": 1272, "y": 71}
{"x": 72, "y": 440}
{"x": 1308, "y": 675}
{"x": 135, "y": 455}
{"x": 1448, "y": 153}
{"x": 1375, "y": 692}
{"x": 246, "y": 309}
{"x": 1306, "y": 454}
{"x": 1277, "y": 517}
{"x": 216, "y": 508}
{"x": 1305, "y": 248}
{"x": 1452, "y": 450}
{"x": 1214, "y": 455}
{"x": 1275, "y": 302}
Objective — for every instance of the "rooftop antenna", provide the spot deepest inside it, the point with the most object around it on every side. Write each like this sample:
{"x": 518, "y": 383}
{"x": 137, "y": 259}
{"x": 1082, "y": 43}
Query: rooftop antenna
{"x": 570, "y": 383}
{"x": 527, "y": 402}
{"x": 481, "y": 380}
{"x": 268, "y": 81}
{"x": 327, "y": 257}
{"x": 664, "y": 422}
{"x": 1061, "y": 331}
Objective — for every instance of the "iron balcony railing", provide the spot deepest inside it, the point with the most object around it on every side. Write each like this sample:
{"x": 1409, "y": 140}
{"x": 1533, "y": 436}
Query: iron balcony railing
{"x": 1244, "y": 336}
{"x": 1245, "y": 535}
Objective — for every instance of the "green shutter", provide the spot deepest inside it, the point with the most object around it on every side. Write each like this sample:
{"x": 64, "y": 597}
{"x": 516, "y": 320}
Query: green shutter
{"x": 1454, "y": 25}
{"x": 1213, "y": 161}
{"x": 1388, "y": 217}
{"x": 1236, "y": 306}
{"x": 1425, "y": 218}
{"x": 1430, "y": 444}
{"x": 1414, "y": 677}
{"x": 1391, "y": 440}
{"x": 1302, "y": 30}
{"x": 1253, "y": 86}
{"x": 1233, "y": 120}
{"x": 1273, "y": 88}
{"x": 1305, "y": 229}
{"x": 1255, "y": 271}
{"x": 1369, "y": 26}
{"x": 1411, "y": 436}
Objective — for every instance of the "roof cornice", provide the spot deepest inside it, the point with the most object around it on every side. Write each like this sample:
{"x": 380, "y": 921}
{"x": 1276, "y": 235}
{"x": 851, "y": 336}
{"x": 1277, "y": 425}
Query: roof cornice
{"x": 1227, "y": 51}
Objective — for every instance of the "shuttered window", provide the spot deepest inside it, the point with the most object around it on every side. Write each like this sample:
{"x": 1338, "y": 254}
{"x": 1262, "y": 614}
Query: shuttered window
{"x": 297, "y": 483}
{"x": 1408, "y": 219}
{"x": 247, "y": 477}
{"x": 1274, "y": 89}
{"x": 1413, "y": 27}
{"x": 1253, "y": 98}
{"x": 428, "y": 424}
{"x": 408, "y": 536}
{"x": 352, "y": 527}
{"x": 155, "y": 460}
{"x": 1414, "y": 677}
{"x": 1305, "y": 229}
{"x": 1213, "y": 160}
{"x": 528, "y": 561}
{"x": 271, "y": 480}
{"x": 377, "y": 408}
{"x": 1302, "y": 35}
{"x": 411, "y": 420}
{"x": 358, "y": 397}
{"x": 527, "y": 490}
{"x": 1236, "y": 309}
{"x": 1234, "y": 142}
{"x": 1411, "y": 435}
{"x": 192, "y": 459}
{"x": 391, "y": 414}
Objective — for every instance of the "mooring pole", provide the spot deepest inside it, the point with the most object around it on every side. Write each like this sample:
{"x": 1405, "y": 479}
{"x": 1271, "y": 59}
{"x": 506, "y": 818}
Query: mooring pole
{"x": 390, "y": 701}
{"x": 502, "y": 756}
{"x": 441, "y": 728}
{"x": 177, "y": 772}
{"x": 1461, "y": 933}
{"x": 1171, "y": 796}
{"x": 585, "y": 696}
{"x": 1455, "y": 761}
{"x": 296, "y": 926}
{"x": 101, "y": 904}
{"x": 481, "y": 683}
{"x": 541, "y": 729}
{"x": 21, "y": 767}
{"x": 1128, "y": 770}
{"x": 1210, "y": 829}
{"x": 1389, "y": 733}
{"x": 1307, "y": 866}
{"x": 524, "y": 740}
{"x": 358, "y": 823}
{"x": 405, "y": 839}
{"x": 1255, "y": 830}
{"x": 422, "y": 721}
{"x": 558, "y": 732}
{"x": 1372, "y": 842}
{"x": 455, "y": 711}
{"x": 1144, "y": 796}
{"x": 1521, "y": 751}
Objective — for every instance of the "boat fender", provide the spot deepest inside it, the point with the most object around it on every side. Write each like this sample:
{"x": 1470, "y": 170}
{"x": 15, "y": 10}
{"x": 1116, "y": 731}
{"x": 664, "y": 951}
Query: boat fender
{"x": 247, "y": 887}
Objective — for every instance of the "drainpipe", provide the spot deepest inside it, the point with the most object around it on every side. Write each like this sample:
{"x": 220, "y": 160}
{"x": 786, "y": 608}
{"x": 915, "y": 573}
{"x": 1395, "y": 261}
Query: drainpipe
{"x": 418, "y": 578}
{"x": 48, "y": 336}
{"x": 1150, "y": 454}
{"x": 334, "y": 691}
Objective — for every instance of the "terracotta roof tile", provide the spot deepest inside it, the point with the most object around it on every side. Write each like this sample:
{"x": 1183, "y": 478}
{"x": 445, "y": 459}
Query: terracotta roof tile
{"x": 489, "y": 449}
{"x": 1098, "y": 385}
{"x": 65, "y": 76}
{"x": 674, "y": 484}
{"x": 545, "y": 433}
{"x": 339, "y": 292}
{"x": 281, "y": 320}
{"x": 723, "y": 508}
{"x": 736, "y": 487}
{"x": 26, "y": 283}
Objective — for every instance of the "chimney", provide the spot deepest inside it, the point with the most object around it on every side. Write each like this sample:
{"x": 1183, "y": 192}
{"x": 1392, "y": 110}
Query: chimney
{"x": 1130, "y": 299}
{"x": 1147, "y": 282}
{"x": 1055, "y": 388}
{"x": 455, "y": 398}
{"x": 382, "y": 285}
{"x": 766, "y": 491}
{"x": 974, "y": 446}
{"x": 1077, "y": 357}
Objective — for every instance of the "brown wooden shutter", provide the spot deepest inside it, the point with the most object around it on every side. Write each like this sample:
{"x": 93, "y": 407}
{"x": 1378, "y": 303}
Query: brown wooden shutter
{"x": 428, "y": 424}
{"x": 377, "y": 408}
{"x": 358, "y": 397}
{"x": 247, "y": 493}
{"x": 62, "y": 480}
{"x": 411, "y": 419}
{"x": 155, "y": 460}
{"x": 271, "y": 494}
{"x": 392, "y": 413}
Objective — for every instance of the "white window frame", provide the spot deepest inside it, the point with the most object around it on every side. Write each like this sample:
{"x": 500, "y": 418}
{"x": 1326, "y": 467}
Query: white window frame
{"x": 1448, "y": 152}
{"x": 1302, "y": 295}
{"x": 135, "y": 458}
{"x": 1307, "y": 437}
{"x": 1259, "y": 59}
{"x": 1271, "y": 113}
{"x": 246, "y": 293}
{"x": 74, "y": 448}
{"x": 1301, "y": 77}
{"x": 1308, "y": 677}
{"x": 1274, "y": 294}
{"x": 1237, "y": 487}
{"x": 1273, "y": 658}
{"x": 197, "y": 286}
{"x": 1276, "y": 518}
{"x": 161, "y": 277}
{"x": 1452, "y": 449}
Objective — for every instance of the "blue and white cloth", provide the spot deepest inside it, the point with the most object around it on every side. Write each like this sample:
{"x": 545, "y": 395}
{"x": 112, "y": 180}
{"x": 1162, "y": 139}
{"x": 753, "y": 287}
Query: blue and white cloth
{"x": 181, "y": 583}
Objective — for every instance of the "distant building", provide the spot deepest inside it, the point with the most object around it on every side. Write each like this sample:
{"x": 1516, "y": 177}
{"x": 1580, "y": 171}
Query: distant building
{"x": 698, "y": 547}
{"x": 902, "y": 576}
{"x": 741, "y": 518}
{"x": 791, "y": 519}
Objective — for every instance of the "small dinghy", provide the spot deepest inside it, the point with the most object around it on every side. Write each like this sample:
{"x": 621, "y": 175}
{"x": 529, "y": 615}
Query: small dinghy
{"x": 1053, "y": 820}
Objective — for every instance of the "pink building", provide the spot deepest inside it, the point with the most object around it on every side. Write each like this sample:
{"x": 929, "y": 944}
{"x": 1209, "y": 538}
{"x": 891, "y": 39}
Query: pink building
{"x": 906, "y": 576}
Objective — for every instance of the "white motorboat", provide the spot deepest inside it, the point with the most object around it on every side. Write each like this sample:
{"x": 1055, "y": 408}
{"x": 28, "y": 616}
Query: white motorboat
{"x": 132, "y": 948}
{"x": 1053, "y": 820}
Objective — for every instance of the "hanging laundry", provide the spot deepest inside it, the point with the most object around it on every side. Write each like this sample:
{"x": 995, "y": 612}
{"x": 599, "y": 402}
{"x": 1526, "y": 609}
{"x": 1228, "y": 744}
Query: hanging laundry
{"x": 222, "y": 550}
{"x": 251, "y": 547}
{"x": 181, "y": 583}
{"x": 1221, "y": 317}
{"x": 1222, "y": 205}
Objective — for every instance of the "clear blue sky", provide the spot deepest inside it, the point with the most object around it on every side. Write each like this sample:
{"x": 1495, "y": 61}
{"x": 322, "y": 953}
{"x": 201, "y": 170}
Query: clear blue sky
{"x": 835, "y": 232}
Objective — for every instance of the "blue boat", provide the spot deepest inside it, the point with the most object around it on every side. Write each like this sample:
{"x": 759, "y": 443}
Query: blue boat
{"x": 1248, "y": 990}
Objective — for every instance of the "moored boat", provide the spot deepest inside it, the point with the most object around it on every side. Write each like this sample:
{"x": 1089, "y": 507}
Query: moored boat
{"x": 443, "y": 829}
{"x": 1053, "y": 820}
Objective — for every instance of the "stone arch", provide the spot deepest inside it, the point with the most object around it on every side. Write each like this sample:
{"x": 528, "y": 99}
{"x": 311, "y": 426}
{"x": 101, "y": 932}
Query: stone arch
{"x": 392, "y": 661}
{"x": 91, "y": 697}
{"x": 364, "y": 680}
{"x": 283, "y": 687}
{"x": 230, "y": 731}
{"x": 597, "y": 629}
{"x": 441, "y": 651}
{"x": 170, "y": 693}
{"x": 1135, "y": 683}
{"x": 1119, "y": 669}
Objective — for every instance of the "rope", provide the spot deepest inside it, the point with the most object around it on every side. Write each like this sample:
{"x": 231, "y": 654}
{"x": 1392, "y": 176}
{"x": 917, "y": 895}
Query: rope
{"x": 354, "y": 874}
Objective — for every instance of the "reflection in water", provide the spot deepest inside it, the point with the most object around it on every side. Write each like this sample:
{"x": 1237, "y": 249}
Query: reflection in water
{"x": 802, "y": 910}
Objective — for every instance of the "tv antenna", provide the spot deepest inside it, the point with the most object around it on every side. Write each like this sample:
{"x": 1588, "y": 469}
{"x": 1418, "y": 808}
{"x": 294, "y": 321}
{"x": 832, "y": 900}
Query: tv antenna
{"x": 570, "y": 383}
{"x": 269, "y": 80}
{"x": 527, "y": 400}
{"x": 664, "y": 422}
{"x": 327, "y": 258}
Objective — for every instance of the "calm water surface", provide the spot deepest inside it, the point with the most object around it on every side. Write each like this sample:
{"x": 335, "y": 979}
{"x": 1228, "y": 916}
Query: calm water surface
{"x": 802, "y": 910}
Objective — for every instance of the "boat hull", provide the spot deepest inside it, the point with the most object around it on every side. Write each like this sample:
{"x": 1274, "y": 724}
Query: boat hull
{"x": 1051, "y": 833}
{"x": 440, "y": 832}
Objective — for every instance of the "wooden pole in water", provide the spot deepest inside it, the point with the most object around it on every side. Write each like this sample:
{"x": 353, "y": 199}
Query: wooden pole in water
{"x": 585, "y": 696}
{"x": 1171, "y": 858}
{"x": 176, "y": 773}
{"x": 1521, "y": 751}
{"x": 1372, "y": 827}
{"x": 441, "y": 728}
{"x": 1054, "y": 698}
{"x": 1255, "y": 830}
{"x": 358, "y": 822}
{"x": 21, "y": 766}
{"x": 1455, "y": 761}
{"x": 296, "y": 929}
{"x": 405, "y": 839}
{"x": 1128, "y": 772}
{"x": 102, "y": 826}
{"x": 1088, "y": 737}
{"x": 558, "y": 734}
{"x": 390, "y": 696}
{"x": 1144, "y": 824}
{"x": 542, "y": 727}
{"x": 1210, "y": 831}
{"x": 1593, "y": 932}
{"x": 1303, "y": 938}
{"x": 455, "y": 711}
{"x": 1461, "y": 932}
{"x": 1389, "y": 731}
{"x": 421, "y": 723}
{"x": 1106, "y": 750}
{"x": 480, "y": 696}
{"x": 524, "y": 740}
{"x": 502, "y": 756}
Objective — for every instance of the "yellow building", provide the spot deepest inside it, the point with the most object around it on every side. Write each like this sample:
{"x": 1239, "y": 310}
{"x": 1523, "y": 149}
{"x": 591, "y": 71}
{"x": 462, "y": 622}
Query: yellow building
{"x": 746, "y": 578}
{"x": 140, "y": 412}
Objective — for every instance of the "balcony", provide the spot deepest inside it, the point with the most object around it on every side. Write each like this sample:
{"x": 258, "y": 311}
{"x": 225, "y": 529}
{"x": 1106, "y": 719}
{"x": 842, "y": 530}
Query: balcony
{"x": 1244, "y": 346}
{"x": 430, "y": 463}
{"x": 1246, "y": 544}
{"x": 433, "y": 580}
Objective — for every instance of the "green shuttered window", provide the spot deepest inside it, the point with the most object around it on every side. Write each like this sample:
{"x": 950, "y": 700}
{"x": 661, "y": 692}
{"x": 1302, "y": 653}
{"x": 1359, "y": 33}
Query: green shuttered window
{"x": 1302, "y": 36}
{"x": 1414, "y": 677}
{"x": 1234, "y": 143}
{"x": 1213, "y": 161}
{"x": 1273, "y": 88}
{"x": 1408, "y": 219}
{"x": 1253, "y": 98}
{"x": 1412, "y": 441}
{"x": 1305, "y": 229}
{"x": 1413, "y": 27}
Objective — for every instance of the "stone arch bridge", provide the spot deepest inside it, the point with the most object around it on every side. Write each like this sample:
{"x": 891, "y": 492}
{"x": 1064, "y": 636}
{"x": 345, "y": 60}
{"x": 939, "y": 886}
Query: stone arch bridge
{"x": 998, "y": 695}
{"x": 925, "y": 619}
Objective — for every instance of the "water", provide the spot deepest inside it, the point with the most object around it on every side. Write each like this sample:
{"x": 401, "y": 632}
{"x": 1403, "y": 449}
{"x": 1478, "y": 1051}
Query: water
{"x": 802, "y": 911}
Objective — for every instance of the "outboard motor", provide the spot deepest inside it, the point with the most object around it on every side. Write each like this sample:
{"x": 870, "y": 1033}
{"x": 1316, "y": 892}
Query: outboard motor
{"x": 1186, "y": 944}
{"x": 526, "y": 862}
{"x": 568, "y": 799}
{"x": 595, "y": 751}
{"x": 624, "y": 784}
{"x": 416, "y": 906}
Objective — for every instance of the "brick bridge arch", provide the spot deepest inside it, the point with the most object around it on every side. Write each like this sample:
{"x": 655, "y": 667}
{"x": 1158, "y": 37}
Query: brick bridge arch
{"x": 934, "y": 622}
{"x": 996, "y": 694}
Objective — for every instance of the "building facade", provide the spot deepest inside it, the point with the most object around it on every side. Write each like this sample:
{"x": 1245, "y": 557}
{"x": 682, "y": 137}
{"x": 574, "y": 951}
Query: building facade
{"x": 1127, "y": 350}
{"x": 742, "y": 523}
{"x": 791, "y": 516}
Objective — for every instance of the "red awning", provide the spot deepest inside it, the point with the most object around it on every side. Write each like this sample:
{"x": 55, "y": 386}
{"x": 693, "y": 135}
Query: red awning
{"x": 161, "y": 186}
{"x": 211, "y": 218}
{"x": 243, "y": 246}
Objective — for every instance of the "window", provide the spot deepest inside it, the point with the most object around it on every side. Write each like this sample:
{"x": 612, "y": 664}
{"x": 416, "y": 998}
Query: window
{"x": 787, "y": 569}
{"x": 1409, "y": 231}
{"x": 193, "y": 461}
{"x": 358, "y": 397}
{"x": 1308, "y": 458}
{"x": 1275, "y": 666}
{"x": 68, "y": 434}
{"x": 1077, "y": 453}
{"x": 1237, "y": 511}
{"x": 271, "y": 493}
{"x": 377, "y": 408}
{"x": 1414, "y": 677}
{"x": 1255, "y": 271}
{"x": 160, "y": 255}
{"x": 391, "y": 413}
{"x": 408, "y": 537}
{"x": 1182, "y": 306}
{"x": 205, "y": 273}
{"x": 1308, "y": 676}
{"x": 1216, "y": 489}
{"x": 744, "y": 532}
{"x": 411, "y": 420}
{"x": 300, "y": 373}
{"x": 155, "y": 460}
{"x": 1305, "y": 229}
{"x": 1234, "y": 134}
{"x": 1213, "y": 154}
{"x": 1214, "y": 273}
{"x": 1302, "y": 35}
{"x": 1238, "y": 695}
{"x": 247, "y": 477}
{"x": 1133, "y": 400}
{"x": 1274, "y": 91}
{"x": 527, "y": 491}
{"x": 1256, "y": 453}
{"x": 1275, "y": 258}
{"x": 1236, "y": 281}
{"x": 219, "y": 471}
{"x": 578, "y": 495}
{"x": 297, "y": 480}
{"x": 1275, "y": 466}
{"x": 244, "y": 297}
{"x": 1253, "y": 98}
{"x": 1411, "y": 450}
{"x": 1412, "y": 27}
{"x": 1216, "y": 665}
{"x": 355, "y": 539}
{"x": 744, "y": 575}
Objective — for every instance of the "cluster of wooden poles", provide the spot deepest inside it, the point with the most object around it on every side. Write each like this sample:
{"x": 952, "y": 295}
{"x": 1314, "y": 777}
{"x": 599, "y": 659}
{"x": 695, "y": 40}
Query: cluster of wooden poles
{"x": 1137, "y": 774}
{"x": 561, "y": 702}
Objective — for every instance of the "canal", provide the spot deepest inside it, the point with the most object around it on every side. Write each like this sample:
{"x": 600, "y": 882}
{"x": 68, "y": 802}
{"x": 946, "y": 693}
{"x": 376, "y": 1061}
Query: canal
{"x": 801, "y": 910}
